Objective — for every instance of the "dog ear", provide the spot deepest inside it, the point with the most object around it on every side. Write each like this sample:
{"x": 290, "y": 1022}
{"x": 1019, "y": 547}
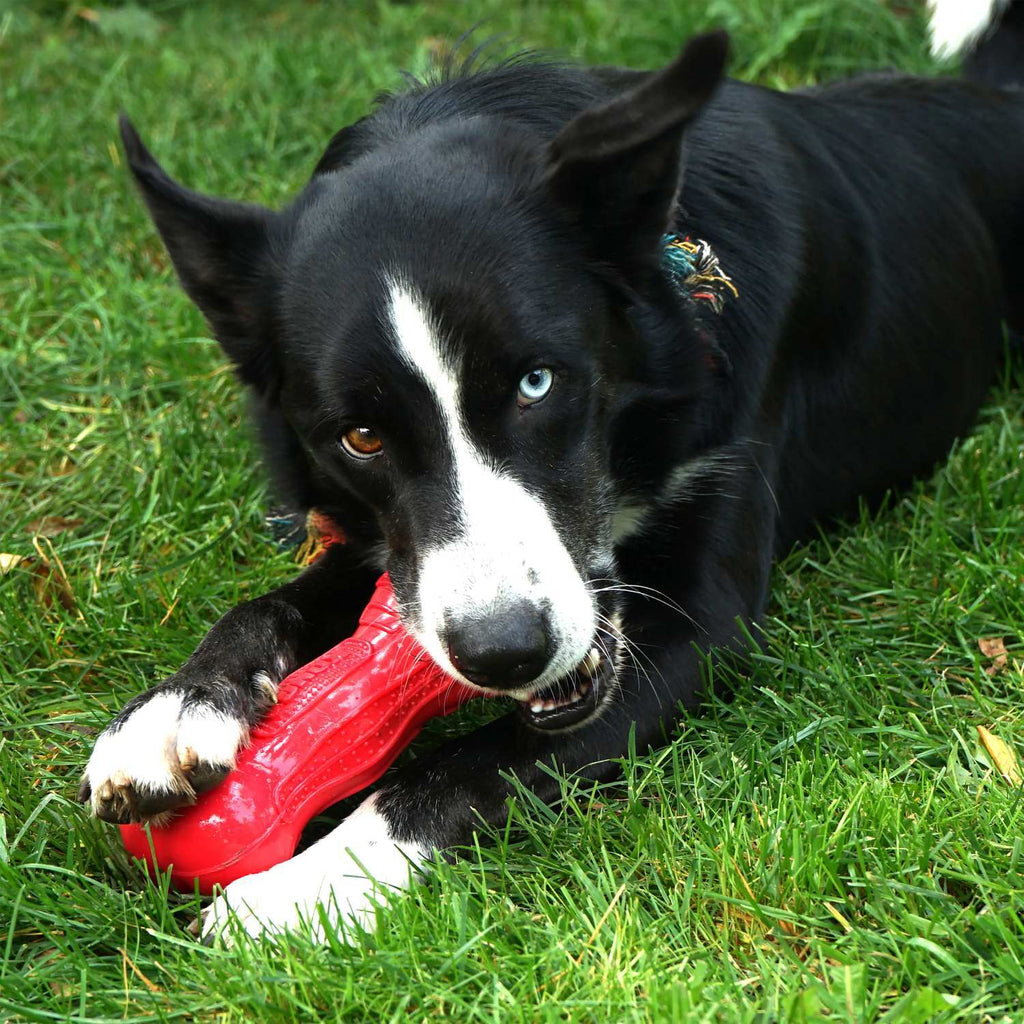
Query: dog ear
{"x": 220, "y": 251}
{"x": 616, "y": 169}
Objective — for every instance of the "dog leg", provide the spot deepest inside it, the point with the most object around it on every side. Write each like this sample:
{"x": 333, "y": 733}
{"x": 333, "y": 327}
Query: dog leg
{"x": 181, "y": 737}
{"x": 426, "y": 809}
{"x": 337, "y": 881}
{"x": 436, "y": 803}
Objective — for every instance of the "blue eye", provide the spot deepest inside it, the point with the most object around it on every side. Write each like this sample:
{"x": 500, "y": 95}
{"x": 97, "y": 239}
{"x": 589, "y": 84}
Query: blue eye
{"x": 534, "y": 386}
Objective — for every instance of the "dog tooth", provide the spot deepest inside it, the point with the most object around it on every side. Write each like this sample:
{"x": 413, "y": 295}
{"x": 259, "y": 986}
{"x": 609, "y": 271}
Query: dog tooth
{"x": 591, "y": 662}
{"x": 537, "y": 707}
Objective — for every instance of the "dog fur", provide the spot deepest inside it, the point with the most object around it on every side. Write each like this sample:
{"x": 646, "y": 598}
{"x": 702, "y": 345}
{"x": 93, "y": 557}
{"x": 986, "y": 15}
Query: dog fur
{"x": 496, "y": 235}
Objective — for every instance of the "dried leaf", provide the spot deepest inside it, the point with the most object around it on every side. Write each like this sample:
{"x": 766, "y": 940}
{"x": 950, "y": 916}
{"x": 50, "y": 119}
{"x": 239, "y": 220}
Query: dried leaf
{"x": 50, "y": 526}
{"x": 50, "y": 584}
{"x": 994, "y": 648}
{"x": 51, "y": 580}
{"x": 8, "y": 562}
{"x": 1002, "y": 755}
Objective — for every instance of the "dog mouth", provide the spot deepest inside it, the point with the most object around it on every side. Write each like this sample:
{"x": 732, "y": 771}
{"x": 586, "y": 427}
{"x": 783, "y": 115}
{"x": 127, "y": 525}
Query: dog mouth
{"x": 573, "y": 699}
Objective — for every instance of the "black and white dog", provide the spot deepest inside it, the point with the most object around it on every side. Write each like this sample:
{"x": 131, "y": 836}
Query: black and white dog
{"x": 572, "y": 353}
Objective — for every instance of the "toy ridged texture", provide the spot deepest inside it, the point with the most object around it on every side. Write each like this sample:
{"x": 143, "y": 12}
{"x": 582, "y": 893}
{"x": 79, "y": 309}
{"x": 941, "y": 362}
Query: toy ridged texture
{"x": 338, "y": 723}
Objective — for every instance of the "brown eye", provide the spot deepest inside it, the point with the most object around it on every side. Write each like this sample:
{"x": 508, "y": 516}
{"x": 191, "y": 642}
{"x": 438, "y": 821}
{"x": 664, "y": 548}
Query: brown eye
{"x": 361, "y": 442}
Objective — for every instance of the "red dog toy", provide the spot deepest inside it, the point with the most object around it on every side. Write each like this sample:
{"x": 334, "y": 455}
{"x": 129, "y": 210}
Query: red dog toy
{"x": 338, "y": 724}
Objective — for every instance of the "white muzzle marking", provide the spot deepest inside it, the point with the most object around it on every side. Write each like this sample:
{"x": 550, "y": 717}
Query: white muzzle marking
{"x": 508, "y": 550}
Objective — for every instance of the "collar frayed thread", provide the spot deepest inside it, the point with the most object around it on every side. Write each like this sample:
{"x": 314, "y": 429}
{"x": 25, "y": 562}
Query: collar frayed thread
{"x": 695, "y": 270}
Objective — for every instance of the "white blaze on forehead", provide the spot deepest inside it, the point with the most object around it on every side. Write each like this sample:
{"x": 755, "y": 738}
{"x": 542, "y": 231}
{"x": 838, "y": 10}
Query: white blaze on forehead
{"x": 506, "y": 548}
{"x": 420, "y": 348}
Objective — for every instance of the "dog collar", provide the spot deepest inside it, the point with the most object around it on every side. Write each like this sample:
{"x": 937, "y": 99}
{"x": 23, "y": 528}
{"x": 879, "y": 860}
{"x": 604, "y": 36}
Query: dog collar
{"x": 696, "y": 272}
{"x": 311, "y": 533}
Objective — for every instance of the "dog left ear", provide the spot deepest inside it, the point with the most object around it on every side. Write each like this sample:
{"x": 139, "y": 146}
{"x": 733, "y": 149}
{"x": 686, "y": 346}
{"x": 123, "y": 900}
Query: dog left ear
{"x": 220, "y": 251}
{"x": 616, "y": 169}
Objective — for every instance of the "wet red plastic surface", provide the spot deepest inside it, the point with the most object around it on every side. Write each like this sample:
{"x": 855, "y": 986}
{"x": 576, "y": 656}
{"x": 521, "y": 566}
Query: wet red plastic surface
{"x": 339, "y": 722}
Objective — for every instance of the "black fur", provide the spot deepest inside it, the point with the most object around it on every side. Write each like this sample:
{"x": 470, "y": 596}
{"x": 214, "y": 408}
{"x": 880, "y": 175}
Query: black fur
{"x": 872, "y": 228}
{"x": 998, "y": 56}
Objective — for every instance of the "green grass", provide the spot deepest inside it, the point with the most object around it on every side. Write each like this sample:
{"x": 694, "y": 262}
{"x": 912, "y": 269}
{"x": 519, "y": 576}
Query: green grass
{"x": 834, "y": 842}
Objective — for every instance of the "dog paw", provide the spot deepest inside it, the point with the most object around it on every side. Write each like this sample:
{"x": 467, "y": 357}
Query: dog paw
{"x": 158, "y": 754}
{"x": 336, "y": 884}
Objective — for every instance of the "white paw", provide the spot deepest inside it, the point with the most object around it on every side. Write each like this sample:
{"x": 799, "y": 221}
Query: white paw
{"x": 338, "y": 881}
{"x": 159, "y": 757}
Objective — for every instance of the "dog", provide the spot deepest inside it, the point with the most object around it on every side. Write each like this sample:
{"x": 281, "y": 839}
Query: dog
{"x": 572, "y": 354}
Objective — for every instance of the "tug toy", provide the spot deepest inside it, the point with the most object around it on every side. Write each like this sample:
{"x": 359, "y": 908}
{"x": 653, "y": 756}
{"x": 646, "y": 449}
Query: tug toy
{"x": 337, "y": 725}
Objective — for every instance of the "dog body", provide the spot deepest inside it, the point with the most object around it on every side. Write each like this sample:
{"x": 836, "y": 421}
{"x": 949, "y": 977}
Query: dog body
{"x": 467, "y": 352}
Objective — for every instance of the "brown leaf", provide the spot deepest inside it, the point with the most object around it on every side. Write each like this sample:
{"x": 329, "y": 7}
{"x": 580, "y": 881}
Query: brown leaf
{"x": 51, "y": 580}
{"x": 51, "y": 585}
{"x": 994, "y": 648}
{"x": 50, "y": 526}
{"x": 1003, "y": 756}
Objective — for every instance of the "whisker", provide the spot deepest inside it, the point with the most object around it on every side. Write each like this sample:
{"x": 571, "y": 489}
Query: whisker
{"x": 635, "y": 653}
{"x": 771, "y": 490}
{"x": 647, "y": 593}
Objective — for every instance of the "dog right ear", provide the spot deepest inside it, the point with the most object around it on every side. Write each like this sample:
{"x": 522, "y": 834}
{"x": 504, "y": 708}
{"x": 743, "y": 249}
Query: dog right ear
{"x": 220, "y": 251}
{"x": 615, "y": 170}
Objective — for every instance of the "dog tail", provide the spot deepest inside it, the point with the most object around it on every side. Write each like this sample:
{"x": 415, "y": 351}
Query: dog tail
{"x": 987, "y": 34}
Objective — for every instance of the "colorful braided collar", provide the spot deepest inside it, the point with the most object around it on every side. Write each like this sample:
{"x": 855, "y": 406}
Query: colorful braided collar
{"x": 696, "y": 272}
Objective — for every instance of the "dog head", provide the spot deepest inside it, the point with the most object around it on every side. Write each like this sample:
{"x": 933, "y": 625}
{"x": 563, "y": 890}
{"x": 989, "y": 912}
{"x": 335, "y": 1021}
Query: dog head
{"x": 445, "y": 323}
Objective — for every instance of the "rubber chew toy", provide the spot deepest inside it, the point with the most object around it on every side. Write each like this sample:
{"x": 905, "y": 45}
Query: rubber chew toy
{"x": 337, "y": 725}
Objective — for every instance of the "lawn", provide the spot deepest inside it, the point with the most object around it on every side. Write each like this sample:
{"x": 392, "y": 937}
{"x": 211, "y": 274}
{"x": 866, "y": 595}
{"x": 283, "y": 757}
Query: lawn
{"x": 836, "y": 841}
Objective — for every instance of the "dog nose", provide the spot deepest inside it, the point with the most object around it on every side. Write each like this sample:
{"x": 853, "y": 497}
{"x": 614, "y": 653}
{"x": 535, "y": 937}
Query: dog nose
{"x": 501, "y": 651}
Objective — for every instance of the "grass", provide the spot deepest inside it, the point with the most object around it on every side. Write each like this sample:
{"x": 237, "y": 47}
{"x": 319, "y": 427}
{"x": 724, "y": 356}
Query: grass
{"x": 834, "y": 842}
